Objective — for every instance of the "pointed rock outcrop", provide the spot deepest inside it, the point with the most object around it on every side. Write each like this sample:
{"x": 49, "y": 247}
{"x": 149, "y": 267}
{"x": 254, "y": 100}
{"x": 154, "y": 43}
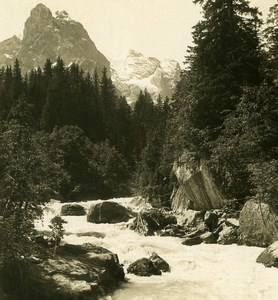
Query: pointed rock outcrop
{"x": 47, "y": 36}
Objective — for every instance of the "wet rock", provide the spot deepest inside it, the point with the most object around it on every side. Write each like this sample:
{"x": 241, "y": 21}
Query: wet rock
{"x": 75, "y": 272}
{"x": 232, "y": 222}
{"x": 173, "y": 230}
{"x": 269, "y": 257}
{"x": 72, "y": 209}
{"x": 152, "y": 220}
{"x": 193, "y": 218}
{"x": 258, "y": 224}
{"x": 143, "y": 267}
{"x": 191, "y": 241}
{"x": 211, "y": 220}
{"x": 209, "y": 237}
{"x": 108, "y": 212}
{"x": 227, "y": 236}
{"x": 99, "y": 235}
{"x": 160, "y": 263}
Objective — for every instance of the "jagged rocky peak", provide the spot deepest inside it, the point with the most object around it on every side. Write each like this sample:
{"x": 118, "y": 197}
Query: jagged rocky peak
{"x": 47, "y": 36}
{"x": 134, "y": 72}
{"x": 133, "y": 53}
{"x": 63, "y": 15}
{"x": 41, "y": 13}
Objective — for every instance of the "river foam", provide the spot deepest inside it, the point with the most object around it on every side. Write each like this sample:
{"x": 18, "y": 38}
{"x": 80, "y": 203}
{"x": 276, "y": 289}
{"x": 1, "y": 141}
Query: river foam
{"x": 209, "y": 272}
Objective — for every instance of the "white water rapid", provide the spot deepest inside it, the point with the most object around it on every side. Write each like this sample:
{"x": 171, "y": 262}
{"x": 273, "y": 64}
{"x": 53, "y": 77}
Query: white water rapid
{"x": 202, "y": 272}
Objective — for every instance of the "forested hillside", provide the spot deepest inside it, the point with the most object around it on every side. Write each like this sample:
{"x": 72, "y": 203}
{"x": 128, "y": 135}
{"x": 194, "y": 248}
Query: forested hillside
{"x": 224, "y": 111}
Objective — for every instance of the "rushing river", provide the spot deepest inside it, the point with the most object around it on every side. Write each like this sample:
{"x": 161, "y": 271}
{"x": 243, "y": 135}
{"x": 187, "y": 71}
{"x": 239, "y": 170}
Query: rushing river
{"x": 202, "y": 272}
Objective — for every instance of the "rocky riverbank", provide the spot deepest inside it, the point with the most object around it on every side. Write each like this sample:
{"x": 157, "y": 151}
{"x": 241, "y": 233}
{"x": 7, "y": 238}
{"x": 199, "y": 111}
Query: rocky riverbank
{"x": 142, "y": 241}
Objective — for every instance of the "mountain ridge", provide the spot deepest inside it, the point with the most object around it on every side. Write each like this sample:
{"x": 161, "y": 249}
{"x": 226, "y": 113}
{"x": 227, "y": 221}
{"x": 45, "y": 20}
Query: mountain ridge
{"x": 50, "y": 36}
{"x": 134, "y": 72}
{"x": 46, "y": 36}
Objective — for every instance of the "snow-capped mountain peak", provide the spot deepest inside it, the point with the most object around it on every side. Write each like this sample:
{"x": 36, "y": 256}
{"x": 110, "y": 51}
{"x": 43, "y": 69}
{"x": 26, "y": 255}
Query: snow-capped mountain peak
{"x": 134, "y": 72}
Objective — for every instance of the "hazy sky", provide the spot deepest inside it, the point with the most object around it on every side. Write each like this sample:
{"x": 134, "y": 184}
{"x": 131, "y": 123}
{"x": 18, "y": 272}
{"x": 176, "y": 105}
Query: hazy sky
{"x": 160, "y": 28}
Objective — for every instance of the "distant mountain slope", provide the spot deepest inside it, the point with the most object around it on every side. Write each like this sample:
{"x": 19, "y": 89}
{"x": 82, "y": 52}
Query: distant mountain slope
{"x": 134, "y": 71}
{"x": 46, "y": 36}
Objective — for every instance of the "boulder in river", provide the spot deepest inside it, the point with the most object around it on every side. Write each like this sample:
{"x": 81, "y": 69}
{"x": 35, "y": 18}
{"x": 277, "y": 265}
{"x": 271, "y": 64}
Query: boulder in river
{"x": 191, "y": 241}
{"x": 269, "y": 257}
{"x": 75, "y": 272}
{"x": 160, "y": 263}
{"x": 258, "y": 224}
{"x": 211, "y": 220}
{"x": 108, "y": 212}
{"x": 227, "y": 236}
{"x": 209, "y": 237}
{"x": 143, "y": 267}
{"x": 72, "y": 209}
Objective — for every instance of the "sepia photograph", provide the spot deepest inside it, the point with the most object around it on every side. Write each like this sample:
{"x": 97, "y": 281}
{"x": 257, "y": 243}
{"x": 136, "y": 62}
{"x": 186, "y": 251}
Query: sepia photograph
{"x": 139, "y": 150}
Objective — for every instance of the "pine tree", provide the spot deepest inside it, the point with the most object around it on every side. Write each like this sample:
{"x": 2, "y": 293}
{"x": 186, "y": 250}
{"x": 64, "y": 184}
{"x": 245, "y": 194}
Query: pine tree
{"x": 271, "y": 43}
{"x": 108, "y": 99}
{"x": 143, "y": 116}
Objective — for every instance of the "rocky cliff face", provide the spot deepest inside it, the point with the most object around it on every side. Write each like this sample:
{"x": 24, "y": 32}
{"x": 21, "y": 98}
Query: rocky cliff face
{"x": 46, "y": 36}
{"x": 134, "y": 72}
{"x": 196, "y": 188}
{"x": 9, "y": 50}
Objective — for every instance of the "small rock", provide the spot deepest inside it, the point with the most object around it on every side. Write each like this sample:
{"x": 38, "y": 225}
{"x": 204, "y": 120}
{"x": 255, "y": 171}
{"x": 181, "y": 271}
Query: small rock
{"x": 232, "y": 222}
{"x": 160, "y": 263}
{"x": 193, "y": 218}
{"x": 191, "y": 241}
{"x": 269, "y": 257}
{"x": 99, "y": 235}
{"x": 209, "y": 237}
{"x": 227, "y": 236}
{"x": 211, "y": 220}
{"x": 143, "y": 267}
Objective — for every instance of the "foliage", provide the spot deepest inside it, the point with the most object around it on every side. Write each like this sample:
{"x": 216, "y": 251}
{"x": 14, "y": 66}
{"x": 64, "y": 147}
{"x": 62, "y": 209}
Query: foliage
{"x": 264, "y": 179}
{"x": 151, "y": 178}
{"x": 28, "y": 178}
{"x": 94, "y": 169}
{"x": 57, "y": 230}
{"x": 249, "y": 137}
{"x": 270, "y": 34}
{"x": 225, "y": 56}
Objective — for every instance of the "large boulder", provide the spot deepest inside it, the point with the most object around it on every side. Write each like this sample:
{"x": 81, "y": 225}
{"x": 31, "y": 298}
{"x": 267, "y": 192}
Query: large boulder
{"x": 196, "y": 187}
{"x": 72, "y": 209}
{"x": 258, "y": 224}
{"x": 143, "y": 267}
{"x": 269, "y": 257}
{"x": 108, "y": 212}
{"x": 75, "y": 272}
{"x": 152, "y": 220}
